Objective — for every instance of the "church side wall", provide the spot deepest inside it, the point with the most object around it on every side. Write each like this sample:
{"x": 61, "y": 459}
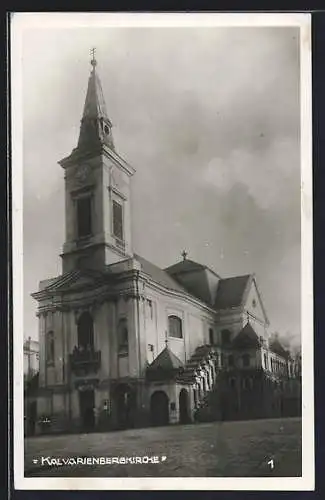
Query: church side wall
{"x": 196, "y": 322}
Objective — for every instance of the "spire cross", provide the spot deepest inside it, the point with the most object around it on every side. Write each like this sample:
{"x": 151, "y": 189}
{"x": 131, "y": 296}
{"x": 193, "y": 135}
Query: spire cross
{"x": 93, "y": 52}
{"x": 184, "y": 254}
{"x": 166, "y": 339}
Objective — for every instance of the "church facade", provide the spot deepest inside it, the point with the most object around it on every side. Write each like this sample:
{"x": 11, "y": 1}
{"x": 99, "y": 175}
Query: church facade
{"x": 124, "y": 343}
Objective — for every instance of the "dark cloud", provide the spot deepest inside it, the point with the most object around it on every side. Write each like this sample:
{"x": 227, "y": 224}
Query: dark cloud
{"x": 210, "y": 120}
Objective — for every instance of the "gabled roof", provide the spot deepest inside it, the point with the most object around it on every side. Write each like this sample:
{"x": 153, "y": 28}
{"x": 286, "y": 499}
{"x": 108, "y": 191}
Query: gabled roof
{"x": 159, "y": 275}
{"x": 199, "y": 280}
{"x": 231, "y": 292}
{"x": 166, "y": 361}
{"x": 184, "y": 266}
{"x": 247, "y": 338}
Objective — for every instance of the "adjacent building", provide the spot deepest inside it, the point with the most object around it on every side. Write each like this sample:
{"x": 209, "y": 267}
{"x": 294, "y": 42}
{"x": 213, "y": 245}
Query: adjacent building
{"x": 125, "y": 343}
{"x": 31, "y": 358}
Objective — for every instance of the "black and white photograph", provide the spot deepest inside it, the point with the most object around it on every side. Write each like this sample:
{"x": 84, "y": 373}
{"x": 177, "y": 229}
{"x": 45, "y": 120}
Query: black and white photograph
{"x": 162, "y": 251}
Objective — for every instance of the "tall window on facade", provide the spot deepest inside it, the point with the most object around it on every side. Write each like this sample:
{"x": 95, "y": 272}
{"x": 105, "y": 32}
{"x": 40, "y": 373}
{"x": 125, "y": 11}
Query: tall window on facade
{"x": 265, "y": 362}
{"x": 211, "y": 340}
{"x": 84, "y": 216}
{"x": 85, "y": 331}
{"x": 123, "y": 336}
{"x": 118, "y": 220}
{"x": 225, "y": 336}
{"x": 50, "y": 348}
{"x": 175, "y": 327}
{"x": 246, "y": 360}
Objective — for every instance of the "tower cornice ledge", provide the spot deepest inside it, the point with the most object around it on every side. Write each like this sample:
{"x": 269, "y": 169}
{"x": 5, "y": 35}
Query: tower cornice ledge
{"x": 78, "y": 155}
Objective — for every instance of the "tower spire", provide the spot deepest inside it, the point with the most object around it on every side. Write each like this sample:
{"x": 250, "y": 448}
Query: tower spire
{"x": 96, "y": 127}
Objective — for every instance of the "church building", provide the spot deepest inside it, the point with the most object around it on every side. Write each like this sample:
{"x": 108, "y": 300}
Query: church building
{"x": 124, "y": 343}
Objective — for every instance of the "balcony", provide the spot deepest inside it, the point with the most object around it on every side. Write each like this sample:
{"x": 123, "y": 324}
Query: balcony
{"x": 85, "y": 361}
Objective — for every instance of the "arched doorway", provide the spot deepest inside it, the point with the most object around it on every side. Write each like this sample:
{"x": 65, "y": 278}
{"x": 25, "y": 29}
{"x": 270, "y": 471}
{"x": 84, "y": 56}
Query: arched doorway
{"x": 125, "y": 406}
{"x": 87, "y": 406}
{"x": 184, "y": 417}
{"x": 86, "y": 331}
{"x": 159, "y": 408}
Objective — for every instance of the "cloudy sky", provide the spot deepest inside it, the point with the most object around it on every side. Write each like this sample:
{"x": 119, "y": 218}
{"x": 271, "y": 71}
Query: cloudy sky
{"x": 209, "y": 117}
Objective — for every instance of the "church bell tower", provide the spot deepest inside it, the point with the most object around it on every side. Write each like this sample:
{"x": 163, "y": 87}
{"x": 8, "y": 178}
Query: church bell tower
{"x": 97, "y": 190}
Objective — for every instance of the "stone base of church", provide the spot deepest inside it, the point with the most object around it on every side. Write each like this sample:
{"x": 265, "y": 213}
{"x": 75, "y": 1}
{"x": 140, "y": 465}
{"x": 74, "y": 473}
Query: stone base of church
{"x": 115, "y": 405}
{"x": 135, "y": 403}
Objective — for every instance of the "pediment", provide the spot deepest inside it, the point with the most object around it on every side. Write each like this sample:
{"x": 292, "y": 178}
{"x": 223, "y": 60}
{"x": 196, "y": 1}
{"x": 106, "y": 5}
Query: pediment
{"x": 76, "y": 280}
{"x": 254, "y": 304}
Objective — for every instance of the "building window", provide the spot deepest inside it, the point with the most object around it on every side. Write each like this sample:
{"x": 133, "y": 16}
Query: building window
{"x": 195, "y": 396}
{"x": 84, "y": 216}
{"x": 85, "y": 329}
{"x": 175, "y": 327}
{"x": 232, "y": 383}
{"x": 211, "y": 341}
{"x": 123, "y": 336}
{"x": 50, "y": 348}
{"x": 118, "y": 220}
{"x": 225, "y": 336}
{"x": 230, "y": 360}
{"x": 265, "y": 362}
{"x": 149, "y": 302}
{"x": 246, "y": 360}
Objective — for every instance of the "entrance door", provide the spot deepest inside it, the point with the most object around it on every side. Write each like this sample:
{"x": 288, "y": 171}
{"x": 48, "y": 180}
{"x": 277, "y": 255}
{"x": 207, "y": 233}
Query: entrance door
{"x": 159, "y": 408}
{"x": 183, "y": 407}
{"x": 125, "y": 403}
{"x": 87, "y": 405}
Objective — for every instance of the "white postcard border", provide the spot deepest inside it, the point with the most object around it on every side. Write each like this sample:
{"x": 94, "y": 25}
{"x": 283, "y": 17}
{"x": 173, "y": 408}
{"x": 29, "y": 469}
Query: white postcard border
{"x": 21, "y": 21}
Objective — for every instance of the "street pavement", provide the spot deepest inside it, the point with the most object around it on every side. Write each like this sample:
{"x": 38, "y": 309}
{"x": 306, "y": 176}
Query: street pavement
{"x": 220, "y": 449}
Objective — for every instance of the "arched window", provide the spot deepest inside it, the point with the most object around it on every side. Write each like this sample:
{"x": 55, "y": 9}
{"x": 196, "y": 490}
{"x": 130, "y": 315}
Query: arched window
{"x": 211, "y": 339}
{"x": 225, "y": 336}
{"x": 175, "y": 327}
{"x": 230, "y": 360}
{"x": 86, "y": 331}
{"x": 117, "y": 209}
{"x": 246, "y": 360}
{"x": 50, "y": 350}
{"x": 123, "y": 336}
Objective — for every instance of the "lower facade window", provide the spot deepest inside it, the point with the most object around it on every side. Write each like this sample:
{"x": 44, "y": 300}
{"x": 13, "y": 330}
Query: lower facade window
{"x": 175, "y": 327}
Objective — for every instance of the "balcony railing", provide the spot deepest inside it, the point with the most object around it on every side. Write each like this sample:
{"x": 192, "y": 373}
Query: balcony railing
{"x": 85, "y": 361}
